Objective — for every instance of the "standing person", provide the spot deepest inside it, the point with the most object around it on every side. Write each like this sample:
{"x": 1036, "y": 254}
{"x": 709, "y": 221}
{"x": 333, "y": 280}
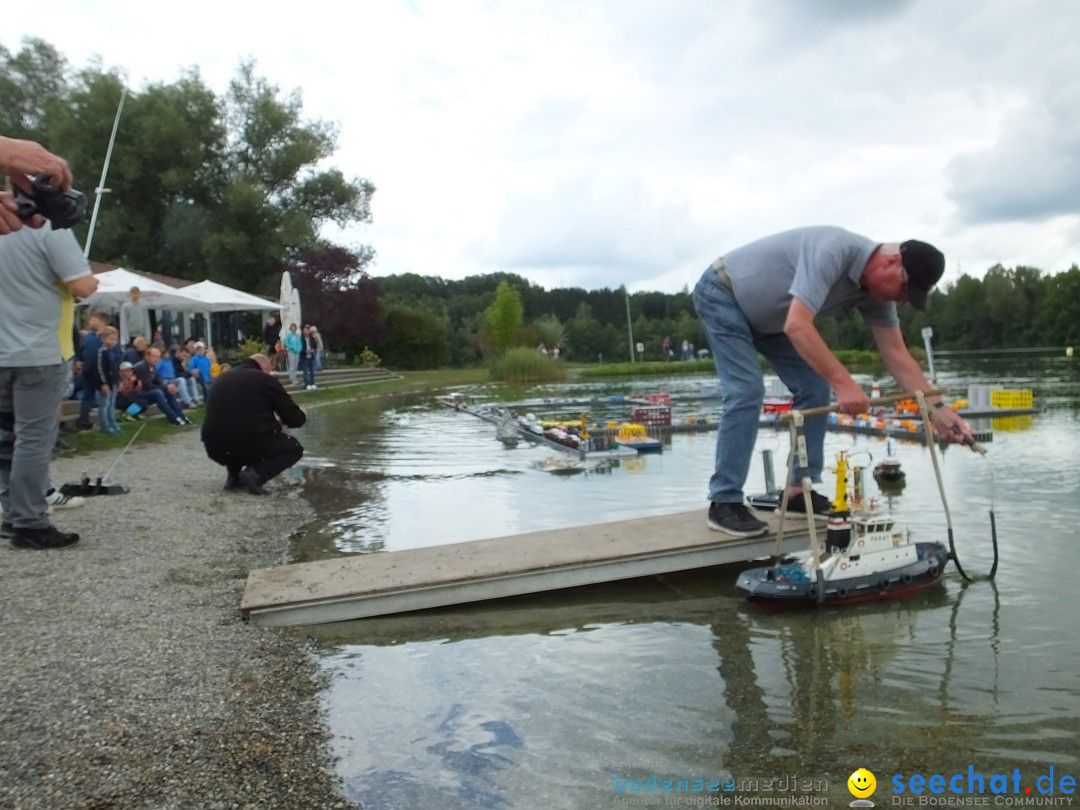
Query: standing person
{"x": 134, "y": 318}
{"x": 271, "y": 332}
{"x": 33, "y": 372}
{"x": 86, "y": 358}
{"x": 320, "y": 347}
{"x": 294, "y": 345}
{"x": 307, "y": 359}
{"x": 764, "y": 297}
{"x": 106, "y": 378}
{"x": 242, "y": 431}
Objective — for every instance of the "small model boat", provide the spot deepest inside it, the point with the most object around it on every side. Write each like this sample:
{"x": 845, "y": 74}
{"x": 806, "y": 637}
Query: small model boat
{"x": 888, "y": 471}
{"x": 634, "y": 436}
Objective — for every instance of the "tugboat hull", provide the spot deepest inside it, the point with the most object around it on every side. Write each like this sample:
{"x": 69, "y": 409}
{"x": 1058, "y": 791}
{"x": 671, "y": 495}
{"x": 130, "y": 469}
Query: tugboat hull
{"x": 788, "y": 586}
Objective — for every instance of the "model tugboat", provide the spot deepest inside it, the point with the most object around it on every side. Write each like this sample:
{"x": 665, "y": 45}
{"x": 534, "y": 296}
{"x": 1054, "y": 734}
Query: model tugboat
{"x": 866, "y": 557}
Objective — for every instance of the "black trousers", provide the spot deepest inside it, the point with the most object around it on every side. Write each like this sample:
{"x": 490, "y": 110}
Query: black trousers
{"x": 267, "y": 459}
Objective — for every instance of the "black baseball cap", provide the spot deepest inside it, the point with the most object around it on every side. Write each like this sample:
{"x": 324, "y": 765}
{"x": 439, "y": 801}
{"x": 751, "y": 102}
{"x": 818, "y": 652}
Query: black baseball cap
{"x": 924, "y": 265}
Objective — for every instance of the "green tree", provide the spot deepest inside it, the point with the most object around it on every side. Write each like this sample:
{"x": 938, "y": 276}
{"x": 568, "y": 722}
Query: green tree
{"x": 505, "y": 316}
{"x": 339, "y": 297}
{"x": 33, "y": 83}
{"x": 550, "y": 330}
{"x": 200, "y": 186}
{"x": 413, "y": 338}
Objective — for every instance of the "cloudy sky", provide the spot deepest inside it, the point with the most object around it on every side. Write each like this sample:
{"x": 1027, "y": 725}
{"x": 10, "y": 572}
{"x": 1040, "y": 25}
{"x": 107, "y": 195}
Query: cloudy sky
{"x": 599, "y": 143}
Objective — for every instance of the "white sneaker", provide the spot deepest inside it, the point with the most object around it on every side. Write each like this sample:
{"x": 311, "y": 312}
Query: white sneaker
{"x": 58, "y": 500}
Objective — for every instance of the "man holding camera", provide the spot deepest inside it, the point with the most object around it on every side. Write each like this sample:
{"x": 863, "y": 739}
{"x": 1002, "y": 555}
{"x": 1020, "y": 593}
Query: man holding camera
{"x": 20, "y": 159}
{"x": 41, "y": 270}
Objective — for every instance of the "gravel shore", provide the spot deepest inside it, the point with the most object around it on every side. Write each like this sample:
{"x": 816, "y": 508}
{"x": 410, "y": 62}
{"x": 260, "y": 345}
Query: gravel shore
{"x": 128, "y": 679}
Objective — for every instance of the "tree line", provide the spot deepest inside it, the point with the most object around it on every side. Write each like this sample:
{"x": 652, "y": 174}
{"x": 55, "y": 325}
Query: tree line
{"x": 1007, "y": 308}
{"x": 236, "y": 187}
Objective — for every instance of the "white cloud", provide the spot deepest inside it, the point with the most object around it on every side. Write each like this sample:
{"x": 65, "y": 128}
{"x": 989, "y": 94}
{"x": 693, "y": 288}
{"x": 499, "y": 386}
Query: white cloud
{"x": 631, "y": 141}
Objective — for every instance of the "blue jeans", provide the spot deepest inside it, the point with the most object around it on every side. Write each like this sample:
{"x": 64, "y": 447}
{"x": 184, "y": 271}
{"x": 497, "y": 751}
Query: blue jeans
{"x": 735, "y": 347}
{"x": 186, "y": 389}
{"x": 106, "y": 407}
{"x": 307, "y": 366}
{"x": 166, "y": 403}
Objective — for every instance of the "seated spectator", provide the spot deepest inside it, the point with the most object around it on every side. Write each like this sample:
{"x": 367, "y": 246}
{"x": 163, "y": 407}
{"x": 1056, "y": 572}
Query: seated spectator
{"x": 199, "y": 365}
{"x": 185, "y": 387}
{"x": 155, "y": 391}
{"x": 181, "y": 362}
{"x": 134, "y": 353}
{"x": 129, "y": 399}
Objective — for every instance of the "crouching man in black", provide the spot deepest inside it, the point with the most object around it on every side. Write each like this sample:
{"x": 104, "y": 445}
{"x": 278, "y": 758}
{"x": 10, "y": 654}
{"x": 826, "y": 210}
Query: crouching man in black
{"x": 245, "y": 410}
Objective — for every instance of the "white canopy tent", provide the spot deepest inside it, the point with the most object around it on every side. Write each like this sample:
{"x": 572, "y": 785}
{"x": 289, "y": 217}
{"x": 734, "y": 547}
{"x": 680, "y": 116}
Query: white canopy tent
{"x": 216, "y": 297}
{"x": 114, "y": 288}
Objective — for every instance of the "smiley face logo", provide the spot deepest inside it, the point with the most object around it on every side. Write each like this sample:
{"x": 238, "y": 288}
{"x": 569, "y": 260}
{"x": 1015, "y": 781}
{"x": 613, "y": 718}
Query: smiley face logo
{"x": 861, "y": 783}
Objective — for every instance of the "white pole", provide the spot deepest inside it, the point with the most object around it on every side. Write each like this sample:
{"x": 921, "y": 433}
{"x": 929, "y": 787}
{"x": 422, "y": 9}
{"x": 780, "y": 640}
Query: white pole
{"x": 104, "y": 171}
{"x": 629, "y": 325}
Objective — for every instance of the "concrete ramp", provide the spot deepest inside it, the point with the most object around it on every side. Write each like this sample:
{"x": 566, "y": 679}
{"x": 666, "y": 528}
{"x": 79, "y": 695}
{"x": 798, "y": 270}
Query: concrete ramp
{"x": 391, "y": 582}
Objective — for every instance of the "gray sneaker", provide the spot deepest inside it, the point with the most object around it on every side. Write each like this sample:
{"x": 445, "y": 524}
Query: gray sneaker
{"x": 735, "y": 519}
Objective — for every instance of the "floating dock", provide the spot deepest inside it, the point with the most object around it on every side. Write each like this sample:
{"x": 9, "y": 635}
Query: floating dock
{"x": 390, "y": 582}
{"x": 885, "y": 428}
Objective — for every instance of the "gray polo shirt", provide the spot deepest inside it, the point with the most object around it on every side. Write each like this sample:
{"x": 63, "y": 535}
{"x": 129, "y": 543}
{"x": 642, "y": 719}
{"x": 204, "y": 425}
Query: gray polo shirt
{"x": 35, "y": 263}
{"x": 820, "y": 266}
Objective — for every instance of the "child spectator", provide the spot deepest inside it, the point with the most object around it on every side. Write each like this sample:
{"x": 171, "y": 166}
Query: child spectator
{"x": 105, "y": 377}
{"x": 199, "y": 366}
{"x": 86, "y": 360}
{"x": 129, "y": 397}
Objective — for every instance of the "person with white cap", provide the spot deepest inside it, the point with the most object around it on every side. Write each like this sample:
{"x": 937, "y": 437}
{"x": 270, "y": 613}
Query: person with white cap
{"x": 199, "y": 365}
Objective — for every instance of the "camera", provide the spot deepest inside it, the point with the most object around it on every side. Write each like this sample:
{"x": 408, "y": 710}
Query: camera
{"x": 62, "y": 208}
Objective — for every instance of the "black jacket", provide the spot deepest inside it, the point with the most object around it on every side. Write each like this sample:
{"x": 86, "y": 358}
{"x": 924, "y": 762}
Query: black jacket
{"x": 244, "y": 406}
{"x": 147, "y": 375}
{"x": 271, "y": 334}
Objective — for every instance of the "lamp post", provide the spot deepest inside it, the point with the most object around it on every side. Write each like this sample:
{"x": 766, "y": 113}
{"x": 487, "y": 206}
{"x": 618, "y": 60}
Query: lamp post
{"x": 100, "y": 190}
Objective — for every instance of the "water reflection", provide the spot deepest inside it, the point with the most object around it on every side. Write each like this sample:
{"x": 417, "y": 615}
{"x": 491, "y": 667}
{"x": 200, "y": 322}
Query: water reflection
{"x": 535, "y": 702}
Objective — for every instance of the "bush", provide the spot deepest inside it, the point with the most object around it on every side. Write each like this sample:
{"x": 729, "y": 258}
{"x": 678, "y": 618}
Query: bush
{"x": 527, "y": 365}
{"x": 246, "y": 349}
{"x": 369, "y": 358}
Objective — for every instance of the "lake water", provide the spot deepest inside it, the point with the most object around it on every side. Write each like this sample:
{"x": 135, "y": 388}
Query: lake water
{"x": 561, "y": 699}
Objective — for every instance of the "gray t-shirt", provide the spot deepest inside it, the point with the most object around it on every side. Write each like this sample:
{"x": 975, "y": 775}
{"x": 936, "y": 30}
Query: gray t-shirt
{"x": 35, "y": 263}
{"x": 820, "y": 266}
{"x": 135, "y": 319}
